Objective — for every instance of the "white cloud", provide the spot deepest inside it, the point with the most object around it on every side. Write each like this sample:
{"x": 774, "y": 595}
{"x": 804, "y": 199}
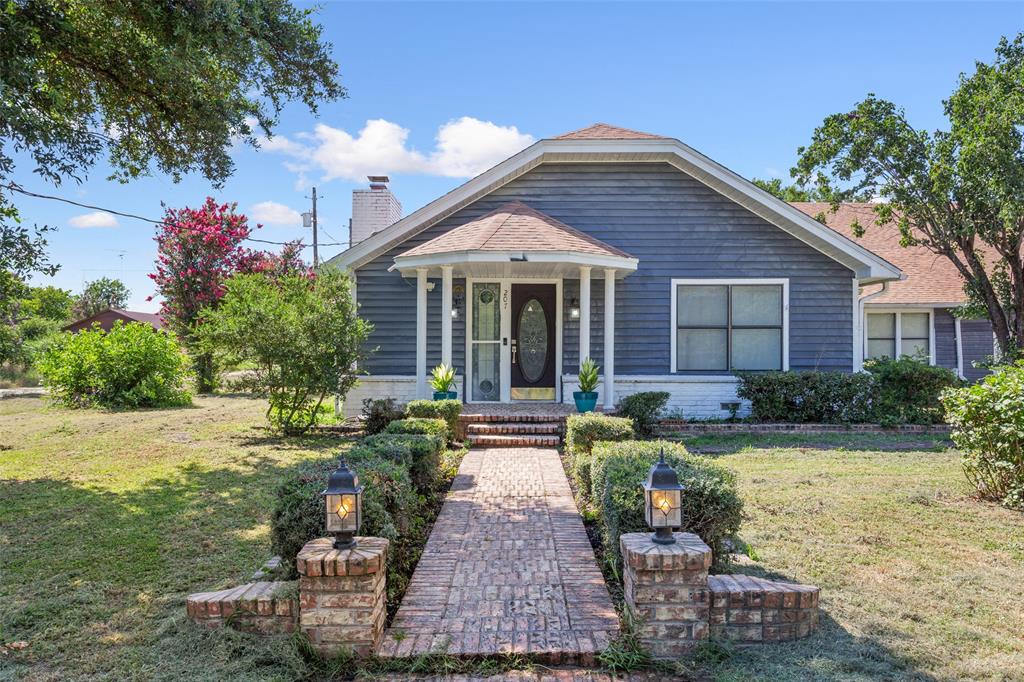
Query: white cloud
{"x": 273, "y": 213}
{"x": 464, "y": 147}
{"x": 94, "y": 219}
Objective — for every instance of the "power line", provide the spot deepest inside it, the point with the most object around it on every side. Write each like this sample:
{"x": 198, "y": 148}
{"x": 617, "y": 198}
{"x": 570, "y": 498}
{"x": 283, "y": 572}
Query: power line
{"x": 133, "y": 216}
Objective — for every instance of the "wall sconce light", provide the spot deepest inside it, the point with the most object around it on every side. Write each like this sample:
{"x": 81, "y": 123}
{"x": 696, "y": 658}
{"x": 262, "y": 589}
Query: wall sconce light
{"x": 458, "y": 300}
{"x": 574, "y": 309}
{"x": 663, "y": 496}
{"x": 343, "y": 504}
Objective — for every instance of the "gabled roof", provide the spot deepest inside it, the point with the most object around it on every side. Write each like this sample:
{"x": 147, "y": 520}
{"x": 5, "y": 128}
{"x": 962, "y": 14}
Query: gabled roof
{"x": 930, "y": 279}
{"x": 603, "y": 131}
{"x": 151, "y": 319}
{"x": 866, "y": 266}
{"x": 510, "y": 228}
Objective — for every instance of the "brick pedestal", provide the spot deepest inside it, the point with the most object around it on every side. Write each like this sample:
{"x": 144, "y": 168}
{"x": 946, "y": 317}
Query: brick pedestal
{"x": 666, "y": 590}
{"x": 341, "y": 595}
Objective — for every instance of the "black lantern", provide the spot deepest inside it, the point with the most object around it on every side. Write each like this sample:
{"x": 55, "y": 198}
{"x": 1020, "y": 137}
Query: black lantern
{"x": 343, "y": 502}
{"x": 663, "y": 496}
{"x": 574, "y": 309}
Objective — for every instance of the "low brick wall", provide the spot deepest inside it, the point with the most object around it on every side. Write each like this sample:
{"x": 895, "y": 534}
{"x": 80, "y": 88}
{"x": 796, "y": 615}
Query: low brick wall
{"x": 754, "y": 610}
{"x": 668, "y": 426}
{"x": 253, "y": 607}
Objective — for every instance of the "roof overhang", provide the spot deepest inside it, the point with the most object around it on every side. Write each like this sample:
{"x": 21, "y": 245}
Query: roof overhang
{"x": 866, "y": 266}
{"x": 514, "y": 264}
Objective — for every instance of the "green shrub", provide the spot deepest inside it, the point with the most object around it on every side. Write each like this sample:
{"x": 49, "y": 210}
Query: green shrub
{"x": 378, "y": 413}
{"x": 711, "y": 505}
{"x": 448, "y": 410}
{"x": 644, "y": 409}
{"x": 130, "y": 366}
{"x": 424, "y": 425}
{"x": 420, "y": 453}
{"x": 908, "y": 391}
{"x": 588, "y": 376}
{"x": 581, "y": 432}
{"x": 988, "y": 427}
{"x": 809, "y": 397}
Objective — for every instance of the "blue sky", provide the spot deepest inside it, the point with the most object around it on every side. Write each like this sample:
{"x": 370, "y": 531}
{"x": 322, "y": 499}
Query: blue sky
{"x": 452, "y": 88}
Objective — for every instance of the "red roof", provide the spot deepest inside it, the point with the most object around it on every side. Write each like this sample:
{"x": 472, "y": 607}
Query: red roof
{"x": 603, "y": 131}
{"x": 930, "y": 278}
{"x": 107, "y": 318}
{"x": 515, "y": 227}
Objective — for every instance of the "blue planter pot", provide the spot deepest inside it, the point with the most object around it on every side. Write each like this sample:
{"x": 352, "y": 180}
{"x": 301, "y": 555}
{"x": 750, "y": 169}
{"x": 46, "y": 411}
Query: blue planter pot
{"x": 585, "y": 402}
{"x": 445, "y": 395}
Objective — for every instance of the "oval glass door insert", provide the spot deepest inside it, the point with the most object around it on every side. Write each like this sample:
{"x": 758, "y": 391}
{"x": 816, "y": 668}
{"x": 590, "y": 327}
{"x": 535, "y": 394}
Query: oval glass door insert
{"x": 533, "y": 340}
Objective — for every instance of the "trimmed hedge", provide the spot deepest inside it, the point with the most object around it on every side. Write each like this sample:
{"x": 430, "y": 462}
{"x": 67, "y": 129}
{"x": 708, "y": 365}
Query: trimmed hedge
{"x": 582, "y": 431}
{"x": 420, "y": 425}
{"x": 378, "y": 413}
{"x": 644, "y": 409}
{"x": 809, "y": 397}
{"x": 909, "y": 391}
{"x": 421, "y": 453}
{"x": 711, "y": 505}
{"x": 448, "y": 410}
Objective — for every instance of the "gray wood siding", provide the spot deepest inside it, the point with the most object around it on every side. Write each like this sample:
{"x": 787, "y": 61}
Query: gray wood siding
{"x": 945, "y": 339}
{"x": 675, "y": 226}
{"x": 978, "y": 345}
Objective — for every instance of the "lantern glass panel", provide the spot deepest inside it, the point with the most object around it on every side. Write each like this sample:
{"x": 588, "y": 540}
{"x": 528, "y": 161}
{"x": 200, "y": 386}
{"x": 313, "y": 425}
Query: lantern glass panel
{"x": 343, "y": 513}
{"x": 664, "y": 509}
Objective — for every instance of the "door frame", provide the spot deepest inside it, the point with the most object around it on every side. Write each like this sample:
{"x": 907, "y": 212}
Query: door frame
{"x": 505, "y": 356}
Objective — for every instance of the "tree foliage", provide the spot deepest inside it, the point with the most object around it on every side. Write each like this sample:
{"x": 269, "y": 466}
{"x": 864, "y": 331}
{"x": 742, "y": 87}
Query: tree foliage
{"x": 300, "y": 334}
{"x": 99, "y": 295}
{"x": 958, "y": 192}
{"x": 165, "y": 85}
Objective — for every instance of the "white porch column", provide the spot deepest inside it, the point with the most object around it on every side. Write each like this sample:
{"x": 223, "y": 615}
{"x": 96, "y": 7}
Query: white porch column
{"x": 421, "y": 332}
{"x": 609, "y": 338}
{"x": 584, "y": 312}
{"x": 446, "y": 314}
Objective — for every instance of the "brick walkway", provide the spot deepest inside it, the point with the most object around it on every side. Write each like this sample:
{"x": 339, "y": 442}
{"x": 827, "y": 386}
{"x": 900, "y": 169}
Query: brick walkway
{"x": 508, "y": 568}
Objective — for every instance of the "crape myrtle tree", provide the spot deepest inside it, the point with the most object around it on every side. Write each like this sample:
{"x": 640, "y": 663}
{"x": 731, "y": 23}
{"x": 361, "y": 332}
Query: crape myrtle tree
{"x": 957, "y": 192}
{"x": 198, "y": 250}
{"x": 166, "y": 85}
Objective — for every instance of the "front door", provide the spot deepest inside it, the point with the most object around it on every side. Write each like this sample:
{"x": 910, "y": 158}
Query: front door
{"x": 533, "y": 342}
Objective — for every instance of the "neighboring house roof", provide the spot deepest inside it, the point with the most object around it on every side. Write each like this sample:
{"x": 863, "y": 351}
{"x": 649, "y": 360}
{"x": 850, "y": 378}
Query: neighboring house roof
{"x": 603, "y": 131}
{"x": 930, "y": 278}
{"x": 107, "y": 318}
{"x": 602, "y": 145}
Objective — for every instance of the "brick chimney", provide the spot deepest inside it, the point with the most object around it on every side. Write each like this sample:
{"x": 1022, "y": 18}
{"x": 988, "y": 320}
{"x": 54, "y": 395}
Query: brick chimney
{"x": 372, "y": 209}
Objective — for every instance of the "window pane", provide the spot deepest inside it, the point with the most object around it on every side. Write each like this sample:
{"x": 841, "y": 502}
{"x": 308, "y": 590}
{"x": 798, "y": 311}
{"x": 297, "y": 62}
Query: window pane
{"x": 703, "y": 349}
{"x": 915, "y": 348}
{"x": 702, "y": 306}
{"x": 486, "y": 362}
{"x": 881, "y": 326}
{"x": 757, "y": 305}
{"x": 914, "y": 325}
{"x": 881, "y": 349}
{"x": 757, "y": 349}
{"x": 486, "y": 319}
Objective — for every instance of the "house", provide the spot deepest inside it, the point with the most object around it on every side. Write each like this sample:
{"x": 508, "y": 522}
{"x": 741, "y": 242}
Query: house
{"x": 106, "y": 319}
{"x": 665, "y": 267}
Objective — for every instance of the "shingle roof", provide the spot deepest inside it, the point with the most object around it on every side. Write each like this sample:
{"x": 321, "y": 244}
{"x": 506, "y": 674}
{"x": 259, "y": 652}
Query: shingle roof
{"x": 930, "y": 278}
{"x": 603, "y": 131}
{"x": 515, "y": 227}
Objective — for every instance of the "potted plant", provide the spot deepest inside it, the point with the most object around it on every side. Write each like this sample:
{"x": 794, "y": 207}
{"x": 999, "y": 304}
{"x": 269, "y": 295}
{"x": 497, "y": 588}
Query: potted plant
{"x": 586, "y": 397}
{"x": 442, "y": 378}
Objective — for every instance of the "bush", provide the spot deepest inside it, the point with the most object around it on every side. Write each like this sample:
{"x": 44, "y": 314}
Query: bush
{"x": 378, "y": 413}
{"x": 711, "y": 505}
{"x": 802, "y": 397}
{"x": 423, "y": 425}
{"x": 421, "y": 454}
{"x": 644, "y": 409}
{"x": 130, "y": 366}
{"x": 581, "y": 432}
{"x": 909, "y": 391}
{"x": 988, "y": 427}
{"x": 448, "y": 410}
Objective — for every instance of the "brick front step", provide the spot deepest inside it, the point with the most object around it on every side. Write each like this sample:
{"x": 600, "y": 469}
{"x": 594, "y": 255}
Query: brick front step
{"x": 547, "y": 647}
{"x": 755, "y": 610}
{"x": 510, "y": 417}
{"x": 513, "y": 428}
{"x": 253, "y": 607}
{"x": 538, "y": 440}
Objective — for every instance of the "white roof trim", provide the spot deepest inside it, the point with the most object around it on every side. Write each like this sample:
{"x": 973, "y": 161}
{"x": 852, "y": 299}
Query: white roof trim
{"x": 867, "y": 266}
{"x": 405, "y": 264}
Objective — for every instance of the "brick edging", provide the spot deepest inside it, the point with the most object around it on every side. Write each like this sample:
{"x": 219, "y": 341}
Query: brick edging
{"x": 673, "y": 426}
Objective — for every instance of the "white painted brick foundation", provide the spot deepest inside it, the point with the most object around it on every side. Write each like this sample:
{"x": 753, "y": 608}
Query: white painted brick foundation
{"x": 401, "y": 388}
{"x": 692, "y": 396}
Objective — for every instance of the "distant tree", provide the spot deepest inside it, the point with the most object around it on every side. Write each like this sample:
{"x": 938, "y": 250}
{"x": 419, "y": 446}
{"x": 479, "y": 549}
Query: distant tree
{"x": 790, "y": 193}
{"x": 100, "y": 294}
{"x": 301, "y": 335}
{"x": 170, "y": 85}
{"x": 49, "y": 302}
{"x": 958, "y": 193}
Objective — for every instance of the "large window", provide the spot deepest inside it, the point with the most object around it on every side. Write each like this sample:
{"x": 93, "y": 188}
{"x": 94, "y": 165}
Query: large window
{"x": 721, "y": 326}
{"x": 892, "y": 334}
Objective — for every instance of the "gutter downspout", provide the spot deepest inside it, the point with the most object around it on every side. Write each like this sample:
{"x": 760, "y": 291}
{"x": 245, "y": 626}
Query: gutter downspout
{"x": 863, "y": 321}
{"x": 959, "y": 348}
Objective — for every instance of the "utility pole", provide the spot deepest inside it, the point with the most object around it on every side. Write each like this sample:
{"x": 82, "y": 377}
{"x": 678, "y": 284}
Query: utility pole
{"x": 316, "y": 258}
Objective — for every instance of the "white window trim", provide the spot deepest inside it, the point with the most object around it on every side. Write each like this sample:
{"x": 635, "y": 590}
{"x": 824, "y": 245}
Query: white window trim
{"x": 899, "y": 328}
{"x": 784, "y": 281}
